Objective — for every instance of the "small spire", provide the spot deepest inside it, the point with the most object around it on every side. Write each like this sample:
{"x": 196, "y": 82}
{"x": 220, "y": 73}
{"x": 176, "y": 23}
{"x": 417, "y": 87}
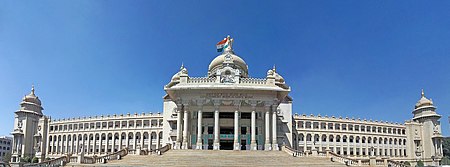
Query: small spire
{"x": 274, "y": 68}
{"x": 423, "y": 94}
{"x": 182, "y": 65}
{"x": 32, "y": 89}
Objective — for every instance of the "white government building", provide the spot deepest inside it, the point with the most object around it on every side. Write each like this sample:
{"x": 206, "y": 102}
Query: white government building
{"x": 227, "y": 110}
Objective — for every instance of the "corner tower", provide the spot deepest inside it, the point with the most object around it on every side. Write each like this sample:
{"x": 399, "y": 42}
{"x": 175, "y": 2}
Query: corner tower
{"x": 26, "y": 124}
{"x": 424, "y": 132}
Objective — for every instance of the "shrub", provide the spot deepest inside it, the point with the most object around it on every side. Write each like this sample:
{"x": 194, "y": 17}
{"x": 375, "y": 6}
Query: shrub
{"x": 420, "y": 164}
{"x": 445, "y": 161}
{"x": 407, "y": 163}
{"x": 35, "y": 160}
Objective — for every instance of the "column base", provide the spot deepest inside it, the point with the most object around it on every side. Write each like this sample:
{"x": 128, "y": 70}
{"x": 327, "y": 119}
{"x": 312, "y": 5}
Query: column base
{"x": 199, "y": 146}
{"x": 275, "y": 147}
{"x": 267, "y": 147}
{"x": 177, "y": 146}
{"x": 216, "y": 146}
{"x": 253, "y": 146}
{"x": 314, "y": 152}
{"x": 237, "y": 146}
{"x": 185, "y": 145}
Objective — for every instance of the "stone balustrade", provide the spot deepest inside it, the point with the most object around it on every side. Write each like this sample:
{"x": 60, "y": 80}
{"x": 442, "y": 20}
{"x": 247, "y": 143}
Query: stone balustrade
{"x": 201, "y": 80}
{"x": 253, "y": 81}
{"x": 372, "y": 161}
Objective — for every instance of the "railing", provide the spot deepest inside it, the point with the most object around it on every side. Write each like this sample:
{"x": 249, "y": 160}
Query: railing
{"x": 341, "y": 159}
{"x": 396, "y": 164}
{"x": 293, "y": 152}
{"x": 253, "y": 81}
{"x": 73, "y": 159}
{"x": 165, "y": 149}
{"x": 88, "y": 160}
{"x": 379, "y": 162}
{"x": 199, "y": 80}
{"x": 61, "y": 161}
{"x": 113, "y": 156}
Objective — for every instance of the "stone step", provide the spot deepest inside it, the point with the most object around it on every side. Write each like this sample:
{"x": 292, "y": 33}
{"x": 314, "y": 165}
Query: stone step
{"x": 221, "y": 158}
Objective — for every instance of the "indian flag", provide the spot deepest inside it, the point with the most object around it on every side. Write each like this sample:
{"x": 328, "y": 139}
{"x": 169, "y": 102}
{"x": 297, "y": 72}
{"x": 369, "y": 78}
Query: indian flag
{"x": 222, "y": 45}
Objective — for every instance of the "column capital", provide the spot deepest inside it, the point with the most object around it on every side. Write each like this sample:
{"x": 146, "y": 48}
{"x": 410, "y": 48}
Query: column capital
{"x": 267, "y": 108}
{"x": 253, "y": 103}
{"x": 200, "y": 102}
{"x": 237, "y": 104}
{"x": 274, "y": 107}
{"x": 185, "y": 108}
{"x": 216, "y": 102}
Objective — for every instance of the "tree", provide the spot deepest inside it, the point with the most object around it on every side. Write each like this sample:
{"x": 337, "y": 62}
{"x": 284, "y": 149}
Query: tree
{"x": 445, "y": 161}
{"x": 446, "y": 146}
{"x": 420, "y": 164}
{"x": 7, "y": 157}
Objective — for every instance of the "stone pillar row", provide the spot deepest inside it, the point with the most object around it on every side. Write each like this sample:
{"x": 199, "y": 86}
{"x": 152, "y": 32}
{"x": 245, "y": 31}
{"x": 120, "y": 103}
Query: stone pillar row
{"x": 182, "y": 136}
{"x": 85, "y": 145}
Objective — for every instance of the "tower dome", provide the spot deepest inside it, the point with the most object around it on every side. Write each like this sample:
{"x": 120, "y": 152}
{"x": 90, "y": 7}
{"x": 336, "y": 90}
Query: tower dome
{"x": 424, "y": 101}
{"x": 31, "y": 103}
{"x": 32, "y": 98}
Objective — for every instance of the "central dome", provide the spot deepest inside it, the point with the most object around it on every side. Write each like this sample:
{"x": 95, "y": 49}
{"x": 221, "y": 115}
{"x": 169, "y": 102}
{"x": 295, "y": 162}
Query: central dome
{"x": 227, "y": 58}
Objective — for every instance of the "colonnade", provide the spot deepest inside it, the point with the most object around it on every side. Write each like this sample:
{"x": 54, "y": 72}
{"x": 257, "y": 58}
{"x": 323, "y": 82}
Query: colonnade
{"x": 103, "y": 143}
{"x": 182, "y": 140}
{"x": 352, "y": 145}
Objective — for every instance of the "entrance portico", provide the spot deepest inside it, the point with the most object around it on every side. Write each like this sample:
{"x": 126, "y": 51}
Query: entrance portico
{"x": 230, "y": 127}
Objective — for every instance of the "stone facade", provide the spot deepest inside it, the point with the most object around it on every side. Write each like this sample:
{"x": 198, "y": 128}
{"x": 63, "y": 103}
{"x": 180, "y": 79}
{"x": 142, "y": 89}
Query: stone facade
{"x": 227, "y": 110}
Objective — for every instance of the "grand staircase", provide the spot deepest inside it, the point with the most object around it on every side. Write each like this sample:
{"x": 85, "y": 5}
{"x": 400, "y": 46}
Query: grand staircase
{"x": 222, "y": 158}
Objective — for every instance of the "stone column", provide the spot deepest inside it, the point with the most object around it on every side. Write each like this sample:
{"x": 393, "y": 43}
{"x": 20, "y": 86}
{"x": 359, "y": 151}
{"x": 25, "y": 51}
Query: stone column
{"x": 142, "y": 139}
{"x": 216, "y": 145}
{"x": 267, "y": 145}
{"x": 253, "y": 145}
{"x": 94, "y": 144}
{"x": 236, "y": 142}
{"x": 158, "y": 141}
{"x": 178, "y": 142}
{"x": 199, "y": 130}
{"x": 185, "y": 130}
{"x": 274, "y": 128}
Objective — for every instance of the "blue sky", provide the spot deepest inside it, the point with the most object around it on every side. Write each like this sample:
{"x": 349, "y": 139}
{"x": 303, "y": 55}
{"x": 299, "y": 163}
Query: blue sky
{"x": 366, "y": 59}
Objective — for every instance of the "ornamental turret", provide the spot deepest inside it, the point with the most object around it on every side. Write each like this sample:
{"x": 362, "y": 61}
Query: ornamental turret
{"x": 424, "y": 132}
{"x": 31, "y": 103}
{"x": 26, "y": 125}
{"x": 424, "y": 108}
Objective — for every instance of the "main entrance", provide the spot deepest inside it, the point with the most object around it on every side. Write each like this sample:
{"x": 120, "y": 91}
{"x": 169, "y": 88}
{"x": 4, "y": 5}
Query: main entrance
{"x": 226, "y": 138}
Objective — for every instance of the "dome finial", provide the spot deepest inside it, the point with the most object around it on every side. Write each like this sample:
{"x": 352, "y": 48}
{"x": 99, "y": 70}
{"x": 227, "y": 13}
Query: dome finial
{"x": 182, "y": 65}
{"x": 32, "y": 89}
{"x": 423, "y": 94}
{"x": 274, "y": 68}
